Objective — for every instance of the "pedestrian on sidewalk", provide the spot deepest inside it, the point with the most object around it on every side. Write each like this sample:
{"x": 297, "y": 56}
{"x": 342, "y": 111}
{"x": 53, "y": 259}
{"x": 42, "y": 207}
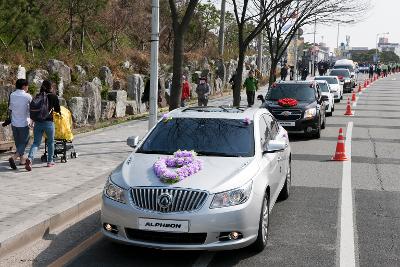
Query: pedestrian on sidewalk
{"x": 371, "y": 71}
{"x": 251, "y": 85}
{"x": 203, "y": 91}
{"x": 41, "y": 112}
{"x": 20, "y": 121}
{"x": 284, "y": 72}
{"x": 185, "y": 91}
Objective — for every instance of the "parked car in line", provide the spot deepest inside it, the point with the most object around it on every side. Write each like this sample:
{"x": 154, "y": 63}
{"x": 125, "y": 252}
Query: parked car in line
{"x": 246, "y": 167}
{"x": 326, "y": 91}
{"x": 335, "y": 86}
{"x": 344, "y": 78}
{"x": 307, "y": 114}
{"x": 349, "y": 65}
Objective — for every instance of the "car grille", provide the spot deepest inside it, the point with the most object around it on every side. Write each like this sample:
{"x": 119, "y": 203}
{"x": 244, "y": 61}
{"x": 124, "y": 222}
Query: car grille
{"x": 295, "y": 114}
{"x": 165, "y": 237}
{"x": 181, "y": 199}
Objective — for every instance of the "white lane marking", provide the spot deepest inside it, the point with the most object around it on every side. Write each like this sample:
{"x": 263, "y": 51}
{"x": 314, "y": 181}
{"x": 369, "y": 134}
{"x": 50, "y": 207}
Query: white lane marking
{"x": 76, "y": 251}
{"x": 347, "y": 246}
{"x": 204, "y": 260}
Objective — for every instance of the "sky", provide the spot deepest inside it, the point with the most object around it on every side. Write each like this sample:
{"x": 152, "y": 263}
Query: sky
{"x": 383, "y": 17}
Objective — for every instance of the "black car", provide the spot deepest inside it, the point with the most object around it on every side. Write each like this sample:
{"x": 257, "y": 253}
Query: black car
{"x": 307, "y": 116}
{"x": 345, "y": 79}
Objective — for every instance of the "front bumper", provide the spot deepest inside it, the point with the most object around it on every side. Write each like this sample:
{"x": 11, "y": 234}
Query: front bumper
{"x": 212, "y": 222}
{"x": 301, "y": 125}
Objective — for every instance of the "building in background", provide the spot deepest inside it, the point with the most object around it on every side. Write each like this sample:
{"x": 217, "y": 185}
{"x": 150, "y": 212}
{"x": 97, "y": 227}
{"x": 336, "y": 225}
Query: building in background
{"x": 385, "y": 46}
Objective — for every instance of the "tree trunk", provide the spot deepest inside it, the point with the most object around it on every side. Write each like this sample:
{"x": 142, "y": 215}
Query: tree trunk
{"x": 83, "y": 36}
{"x": 238, "y": 77}
{"x": 176, "y": 88}
{"x": 272, "y": 71}
{"x": 71, "y": 25}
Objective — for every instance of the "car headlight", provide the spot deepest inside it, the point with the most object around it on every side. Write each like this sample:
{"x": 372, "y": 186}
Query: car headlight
{"x": 114, "y": 192}
{"x": 347, "y": 80}
{"x": 310, "y": 113}
{"x": 233, "y": 197}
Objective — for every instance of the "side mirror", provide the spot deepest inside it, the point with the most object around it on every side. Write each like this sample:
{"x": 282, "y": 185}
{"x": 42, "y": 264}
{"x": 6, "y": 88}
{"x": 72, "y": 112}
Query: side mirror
{"x": 133, "y": 141}
{"x": 324, "y": 98}
{"x": 274, "y": 146}
{"x": 261, "y": 98}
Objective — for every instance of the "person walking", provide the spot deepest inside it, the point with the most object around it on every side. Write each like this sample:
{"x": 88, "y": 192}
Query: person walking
{"x": 371, "y": 71}
{"x": 20, "y": 121}
{"x": 185, "y": 91}
{"x": 41, "y": 112}
{"x": 203, "y": 91}
{"x": 284, "y": 72}
{"x": 251, "y": 85}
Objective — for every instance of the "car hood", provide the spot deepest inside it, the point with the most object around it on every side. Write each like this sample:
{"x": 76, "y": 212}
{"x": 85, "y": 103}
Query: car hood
{"x": 300, "y": 104}
{"x": 137, "y": 170}
{"x": 335, "y": 87}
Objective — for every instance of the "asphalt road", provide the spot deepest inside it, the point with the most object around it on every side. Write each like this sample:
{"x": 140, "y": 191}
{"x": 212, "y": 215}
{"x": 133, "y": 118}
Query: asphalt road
{"x": 307, "y": 229}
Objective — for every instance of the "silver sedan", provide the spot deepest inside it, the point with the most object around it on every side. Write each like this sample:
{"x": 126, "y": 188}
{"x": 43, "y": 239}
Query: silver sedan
{"x": 244, "y": 167}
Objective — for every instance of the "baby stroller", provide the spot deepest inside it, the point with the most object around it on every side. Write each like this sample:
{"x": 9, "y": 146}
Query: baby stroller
{"x": 63, "y": 137}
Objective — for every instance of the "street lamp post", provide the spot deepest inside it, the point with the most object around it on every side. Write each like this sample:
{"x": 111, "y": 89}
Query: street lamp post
{"x": 313, "y": 49}
{"x": 376, "y": 43}
{"x": 154, "y": 63}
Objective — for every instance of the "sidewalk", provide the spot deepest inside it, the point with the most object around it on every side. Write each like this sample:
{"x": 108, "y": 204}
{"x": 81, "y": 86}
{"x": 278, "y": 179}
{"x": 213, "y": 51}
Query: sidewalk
{"x": 36, "y": 202}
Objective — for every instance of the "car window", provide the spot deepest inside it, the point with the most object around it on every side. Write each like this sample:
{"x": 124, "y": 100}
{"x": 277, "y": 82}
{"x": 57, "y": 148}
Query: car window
{"x": 330, "y": 80}
{"x": 344, "y": 73}
{"x": 206, "y": 136}
{"x": 324, "y": 87}
{"x": 300, "y": 92}
{"x": 349, "y": 67}
{"x": 264, "y": 131}
{"x": 274, "y": 127}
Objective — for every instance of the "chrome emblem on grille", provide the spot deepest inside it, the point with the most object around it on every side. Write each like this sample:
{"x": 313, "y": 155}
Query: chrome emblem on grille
{"x": 286, "y": 113}
{"x": 164, "y": 200}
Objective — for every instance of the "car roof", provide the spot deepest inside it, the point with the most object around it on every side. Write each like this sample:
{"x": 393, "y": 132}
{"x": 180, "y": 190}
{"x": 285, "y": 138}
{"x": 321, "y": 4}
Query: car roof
{"x": 327, "y": 76}
{"x": 340, "y": 70}
{"x": 216, "y": 112}
{"x": 296, "y": 82}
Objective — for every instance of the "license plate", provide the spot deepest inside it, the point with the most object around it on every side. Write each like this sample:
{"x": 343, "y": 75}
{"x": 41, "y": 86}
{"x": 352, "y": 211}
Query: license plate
{"x": 287, "y": 123}
{"x": 163, "y": 225}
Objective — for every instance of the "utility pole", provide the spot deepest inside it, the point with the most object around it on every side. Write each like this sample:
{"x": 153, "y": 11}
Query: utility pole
{"x": 313, "y": 49}
{"x": 221, "y": 44}
{"x": 154, "y": 63}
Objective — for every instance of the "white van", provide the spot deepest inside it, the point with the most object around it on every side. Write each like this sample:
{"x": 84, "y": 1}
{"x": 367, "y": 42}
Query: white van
{"x": 350, "y": 65}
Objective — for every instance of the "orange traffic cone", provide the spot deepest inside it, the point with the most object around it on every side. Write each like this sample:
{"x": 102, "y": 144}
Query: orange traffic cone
{"x": 340, "y": 154}
{"x": 353, "y": 97}
{"x": 359, "y": 88}
{"x": 365, "y": 84}
{"x": 349, "y": 112}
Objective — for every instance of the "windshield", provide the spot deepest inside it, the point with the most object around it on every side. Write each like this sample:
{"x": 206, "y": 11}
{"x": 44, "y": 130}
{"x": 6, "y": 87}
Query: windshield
{"x": 324, "y": 87}
{"x": 330, "y": 80}
{"x": 300, "y": 92}
{"x": 349, "y": 67}
{"x": 344, "y": 73}
{"x": 206, "y": 136}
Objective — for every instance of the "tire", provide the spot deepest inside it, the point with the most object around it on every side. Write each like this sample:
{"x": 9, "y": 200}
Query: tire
{"x": 317, "y": 134}
{"x": 263, "y": 227}
{"x": 63, "y": 159}
{"x": 285, "y": 192}
{"x": 333, "y": 108}
{"x": 323, "y": 123}
{"x": 341, "y": 97}
{"x": 329, "y": 114}
{"x": 43, "y": 158}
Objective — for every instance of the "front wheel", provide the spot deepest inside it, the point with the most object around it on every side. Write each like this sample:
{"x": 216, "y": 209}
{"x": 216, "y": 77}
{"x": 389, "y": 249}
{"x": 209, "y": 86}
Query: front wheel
{"x": 285, "y": 192}
{"x": 263, "y": 227}
{"x": 323, "y": 123}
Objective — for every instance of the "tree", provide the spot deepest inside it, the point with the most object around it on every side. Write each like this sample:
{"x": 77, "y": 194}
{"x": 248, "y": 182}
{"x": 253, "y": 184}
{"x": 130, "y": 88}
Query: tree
{"x": 251, "y": 16}
{"x": 86, "y": 10}
{"x": 180, "y": 24}
{"x": 22, "y": 20}
{"x": 286, "y": 24}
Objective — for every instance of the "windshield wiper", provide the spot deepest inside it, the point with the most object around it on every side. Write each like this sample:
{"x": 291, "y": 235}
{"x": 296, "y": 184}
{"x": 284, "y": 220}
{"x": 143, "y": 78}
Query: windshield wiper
{"x": 154, "y": 152}
{"x": 220, "y": 154}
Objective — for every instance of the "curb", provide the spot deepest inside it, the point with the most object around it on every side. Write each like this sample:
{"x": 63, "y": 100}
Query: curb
{"x": 38, "y": 231}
